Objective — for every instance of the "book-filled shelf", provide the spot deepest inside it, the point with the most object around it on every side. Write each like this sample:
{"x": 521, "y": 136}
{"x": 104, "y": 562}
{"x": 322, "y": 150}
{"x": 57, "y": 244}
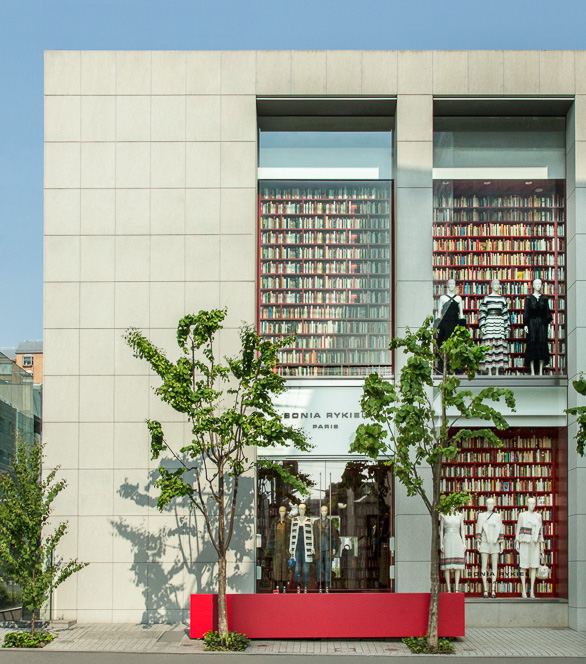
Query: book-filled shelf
{"x": 509, "y": 230}
{"x": 529, "y": 464}
{"x": 324, "y": 274}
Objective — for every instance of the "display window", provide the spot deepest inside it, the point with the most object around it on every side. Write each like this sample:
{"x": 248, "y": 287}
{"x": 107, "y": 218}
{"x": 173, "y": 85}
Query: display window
{"x": 336, "y": 539}
{"x": 499, "y": 269}
{"x": 516, "y": 521}
{"x": 499, "y": 245}
{"x": 325, "y": 252}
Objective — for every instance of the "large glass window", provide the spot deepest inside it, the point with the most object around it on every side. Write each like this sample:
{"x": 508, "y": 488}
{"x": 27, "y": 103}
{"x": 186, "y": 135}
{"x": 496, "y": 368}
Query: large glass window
{"x": 325, "y": 211}
{"x": 499, "y": 238}
{"x": 530, "y": 464}
{"x": 504, "y": 143}
{"x": 340, "y": 534}
{"x": 307, "y": 155}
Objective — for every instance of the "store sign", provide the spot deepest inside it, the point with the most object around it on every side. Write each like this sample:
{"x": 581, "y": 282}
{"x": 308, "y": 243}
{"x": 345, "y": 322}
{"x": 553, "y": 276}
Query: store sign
{"x": 329, "y": 415}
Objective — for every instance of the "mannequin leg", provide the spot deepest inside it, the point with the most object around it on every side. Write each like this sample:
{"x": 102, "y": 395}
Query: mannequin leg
{"x": 541, "y": 367}
{"x": 532, "y": 365}
{"x": 483, "y": 566}
{"x": 328, "y": 570}
{"x": 523, "y": 584}
{"x": 448, "y": 575}
{"x": 494, "y": 560}
{"x": 532, "y": 574}
{"x": 298, "y": 565}
{"x": 456, "y": 579}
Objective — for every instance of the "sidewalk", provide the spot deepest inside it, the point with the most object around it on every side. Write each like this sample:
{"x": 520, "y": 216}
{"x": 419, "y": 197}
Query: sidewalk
{"x": 173, "y": 639}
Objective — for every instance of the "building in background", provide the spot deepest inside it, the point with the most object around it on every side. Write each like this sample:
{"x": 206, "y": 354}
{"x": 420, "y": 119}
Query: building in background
{"x": 29, "y": 356}
{"x": 331, "y": 194}
{"x": 20, "y": 409}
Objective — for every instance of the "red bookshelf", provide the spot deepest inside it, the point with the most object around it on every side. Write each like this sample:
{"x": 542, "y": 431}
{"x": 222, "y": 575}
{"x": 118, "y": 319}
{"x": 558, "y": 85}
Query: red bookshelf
{"x": 510, "y": 230}
{"x": 528, "y": 464}
{"x": 324, "y": 274}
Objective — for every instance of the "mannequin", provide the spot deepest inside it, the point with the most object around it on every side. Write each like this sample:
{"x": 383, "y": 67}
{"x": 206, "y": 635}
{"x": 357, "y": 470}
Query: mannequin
{"x": 301, "y": 546}
{"x": 278, "y": 549}
{"x": 450, "y": 315}
{"x": 452, "y": 547}
{"x": 495, "y": 326}
{"x": 536, "y": 319}
{"x": 529, "y": 543}
{"x": 327, "y": 542}
{"x": 489, "y": 541}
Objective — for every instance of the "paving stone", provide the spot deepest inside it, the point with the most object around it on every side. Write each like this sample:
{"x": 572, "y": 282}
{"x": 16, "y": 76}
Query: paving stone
{"x": 479, "y": 642}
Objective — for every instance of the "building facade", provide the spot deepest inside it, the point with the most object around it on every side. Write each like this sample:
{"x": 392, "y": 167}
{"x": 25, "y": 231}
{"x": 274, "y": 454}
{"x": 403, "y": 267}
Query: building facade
{"x": 20, "y": 409}
{"x": 29, "y": 356}
{"x": 334, "y": 194}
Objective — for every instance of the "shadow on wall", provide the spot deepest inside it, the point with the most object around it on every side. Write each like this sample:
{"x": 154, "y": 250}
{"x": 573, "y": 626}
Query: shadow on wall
{"x": 172, "y": 556}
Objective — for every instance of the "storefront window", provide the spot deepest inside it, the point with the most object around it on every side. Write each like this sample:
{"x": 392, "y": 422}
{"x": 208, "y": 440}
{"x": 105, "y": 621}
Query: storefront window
{"x": 324, "y": 271}
{"x": 340, "y": 534}
{"x": 530, "y": 464}
{"x": 499, "y": 239}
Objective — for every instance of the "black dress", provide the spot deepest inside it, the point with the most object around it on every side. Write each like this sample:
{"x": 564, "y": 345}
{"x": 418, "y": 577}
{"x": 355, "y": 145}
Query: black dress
{"x": 450, "y": 319}
{"x": 537, "y": 318}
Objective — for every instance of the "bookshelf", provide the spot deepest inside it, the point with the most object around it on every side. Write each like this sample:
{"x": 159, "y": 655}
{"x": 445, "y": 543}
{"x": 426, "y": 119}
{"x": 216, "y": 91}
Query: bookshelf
{"x": 510, "y": 230}
{"x": 528, "y": 464}
{"x": 324, "y": 274}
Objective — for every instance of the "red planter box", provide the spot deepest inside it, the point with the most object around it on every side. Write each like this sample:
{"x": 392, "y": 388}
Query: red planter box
{"x": 335, "y": 615}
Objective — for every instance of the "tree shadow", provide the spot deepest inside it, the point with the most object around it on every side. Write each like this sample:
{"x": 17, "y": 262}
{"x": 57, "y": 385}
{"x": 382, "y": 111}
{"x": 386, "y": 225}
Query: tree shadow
{"x": 172, "y": 560}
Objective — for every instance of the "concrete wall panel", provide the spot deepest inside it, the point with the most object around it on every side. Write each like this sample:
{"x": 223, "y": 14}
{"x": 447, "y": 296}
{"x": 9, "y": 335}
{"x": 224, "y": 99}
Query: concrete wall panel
{"x": 379, "y": 72}
{"x": 344, "y": 72}
{"x": 450, "y": 72}
{"x": 62, "y": 212}
{"x": 238, "y": 72}
{"x": 203, "y": 72}
{"x": 308, "y": 72}
{"x": 485, "y": 72}
{"x": 168, "y": 72}
{"x": 415, "y": 72}
{"x": 273, "y": 72}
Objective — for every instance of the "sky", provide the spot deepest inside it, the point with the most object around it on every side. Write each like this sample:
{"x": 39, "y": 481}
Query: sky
{"x": 28, "y": 27}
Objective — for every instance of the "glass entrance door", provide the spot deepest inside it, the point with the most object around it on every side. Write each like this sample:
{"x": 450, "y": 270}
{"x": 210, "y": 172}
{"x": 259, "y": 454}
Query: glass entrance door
{"x": 339, "y": 535}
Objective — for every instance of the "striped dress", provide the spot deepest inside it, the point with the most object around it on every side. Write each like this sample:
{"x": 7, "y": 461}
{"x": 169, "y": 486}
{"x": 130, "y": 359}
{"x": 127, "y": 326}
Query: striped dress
{"x": 494, "y": 322}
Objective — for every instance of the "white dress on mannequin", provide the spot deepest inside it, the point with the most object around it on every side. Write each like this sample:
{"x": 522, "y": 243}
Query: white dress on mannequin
{"x": 454, "y": 553}
{"x": 530, "y": 536}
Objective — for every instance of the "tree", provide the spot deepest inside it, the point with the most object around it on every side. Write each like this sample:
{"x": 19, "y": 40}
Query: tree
{"x": 230, "y": 410}
{"x": 580, "y": 413}
{"x": 27, "y": 555}
{"x": 409, "y": 431}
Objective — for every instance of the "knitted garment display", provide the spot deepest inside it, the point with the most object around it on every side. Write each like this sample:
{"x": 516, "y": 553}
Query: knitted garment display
{"x": 495, "y": 325}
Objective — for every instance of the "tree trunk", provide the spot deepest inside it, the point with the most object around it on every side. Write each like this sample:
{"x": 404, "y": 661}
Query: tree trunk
{"x": 33, "y": 611}
{"x": 222, "y": 608}
{"x": 432, "y": 626}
